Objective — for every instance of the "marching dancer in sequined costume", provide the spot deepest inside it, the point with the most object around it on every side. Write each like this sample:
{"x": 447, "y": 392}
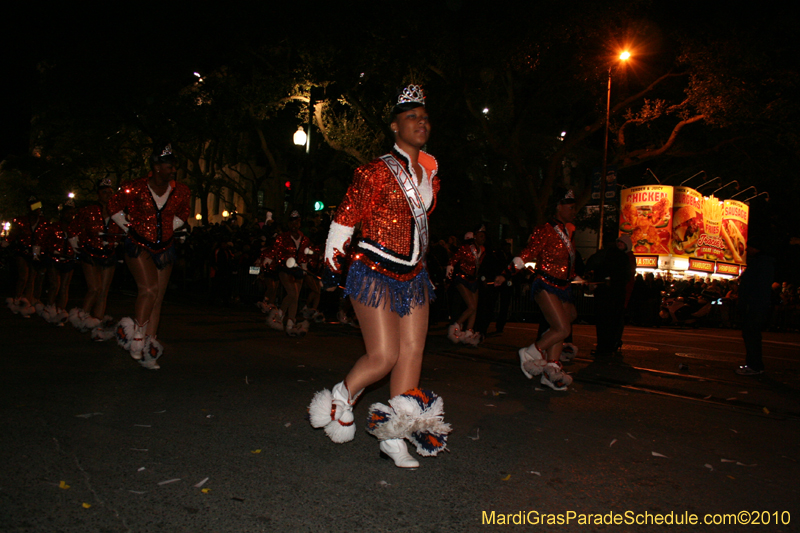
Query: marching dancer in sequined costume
{"x": 97, "y": 237}
{"x": 390, "y": 291}
{"x": 25, "y": 238}
{"x": 463, "y": 269}
{"x": 149, "y": 210}
{"x": 290, "y": 252}
{"x": 550, "y": 247}
{"x": 61, "y": 261}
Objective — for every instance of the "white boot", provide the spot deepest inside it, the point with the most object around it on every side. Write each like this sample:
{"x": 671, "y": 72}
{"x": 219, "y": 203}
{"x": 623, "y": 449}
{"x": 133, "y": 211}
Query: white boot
{"x": 275, "y": 319}
{"x": 397, "y": 451}
{"x": 137, "y": 344}
{"x": 454, "y": 333}
{"x": 554, "y": 376}
{"x": 531, "y": 361}
{"x": 333, "y": 410}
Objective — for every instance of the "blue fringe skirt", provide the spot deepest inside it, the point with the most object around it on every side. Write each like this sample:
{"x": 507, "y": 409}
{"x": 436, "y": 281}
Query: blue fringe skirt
{"x": 374, "y": 289}
{"x": 564, "y": 294}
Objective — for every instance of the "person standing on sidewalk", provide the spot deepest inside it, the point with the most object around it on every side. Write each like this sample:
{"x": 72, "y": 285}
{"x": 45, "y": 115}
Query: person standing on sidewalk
{"x": 755, "y": 287}
{"x": 388, "y": 285}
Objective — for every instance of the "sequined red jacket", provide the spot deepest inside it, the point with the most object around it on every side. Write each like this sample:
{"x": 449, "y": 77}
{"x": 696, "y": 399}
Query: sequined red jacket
{"x": 54, "y": 243}
{"x": 389, "y": 241}
{"x": 22, "y": 235}
{"x": 285, "y": 247}
{"x": 466, "y": 262}
{"x": 149, "y": 226}
{"x": 96, "y": 237}
{"x": 550, "y": 253}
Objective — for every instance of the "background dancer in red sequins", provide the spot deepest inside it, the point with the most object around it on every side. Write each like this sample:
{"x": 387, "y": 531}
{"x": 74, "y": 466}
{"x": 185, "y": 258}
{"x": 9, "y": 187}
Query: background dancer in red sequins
{"x": 550, "y": 247}
{"x": 97, "y": 237}
{"x": 389, "y": 287}
{"x": 149, "y": 210}
{"x": 291, "y": 254}
{"x": 61, "y": 261}
{"x": 25, "y": 238}
{"x": 463, "y": 268}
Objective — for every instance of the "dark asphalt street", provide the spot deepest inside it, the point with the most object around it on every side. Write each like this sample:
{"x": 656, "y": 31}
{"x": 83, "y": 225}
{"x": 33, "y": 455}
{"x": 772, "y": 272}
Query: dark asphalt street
{"x": 90, "y": 438}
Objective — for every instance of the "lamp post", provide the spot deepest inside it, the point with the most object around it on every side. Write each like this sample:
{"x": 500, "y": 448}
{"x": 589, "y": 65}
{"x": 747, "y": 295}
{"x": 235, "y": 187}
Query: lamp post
{"x": 624, "y": 56}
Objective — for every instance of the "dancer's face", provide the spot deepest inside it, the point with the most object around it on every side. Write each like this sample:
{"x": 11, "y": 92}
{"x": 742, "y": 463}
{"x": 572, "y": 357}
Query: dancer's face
{"x": 412, "y": 128}
{"x": 566, "y": 212}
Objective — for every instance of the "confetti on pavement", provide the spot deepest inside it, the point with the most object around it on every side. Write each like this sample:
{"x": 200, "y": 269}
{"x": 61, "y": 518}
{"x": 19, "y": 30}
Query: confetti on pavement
{"x": 63, "y": 485}
{"x": 88, "y": 415}
{"x": 656, "y": 454}
{"x": 168, "y": 481}
{"x": 200, "y": 484}
{"x": 612, "y": 443}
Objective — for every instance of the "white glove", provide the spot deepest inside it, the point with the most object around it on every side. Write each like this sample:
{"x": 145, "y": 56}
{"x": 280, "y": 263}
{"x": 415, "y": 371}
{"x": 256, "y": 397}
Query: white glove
{"x": 73, "y": 241}
{"x": 267, "y": 261}
{"x": 449, "y": 271}
{"x": 291, "y": 262}
{"x": 121, "y": 220}
{"x": 308, "y": 251}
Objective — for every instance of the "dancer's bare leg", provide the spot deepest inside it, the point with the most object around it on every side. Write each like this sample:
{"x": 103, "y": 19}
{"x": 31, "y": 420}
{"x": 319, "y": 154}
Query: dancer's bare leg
{"x": 559, "y": 317}
{"x": 63, "y": 290}
{"x": 314, "y": 288}
{"x": 92, "y": 275}
{"x": 467, "y": 318}
{"x": 99, "y": 308}
{"x": 54, "y": 284}
{"x": 393, "y": 345}
{"x": 289, "y": 304}
{"x": 152, "y": 285}
{"x": 23, "y": 273}
{"x": 155, "y": 314}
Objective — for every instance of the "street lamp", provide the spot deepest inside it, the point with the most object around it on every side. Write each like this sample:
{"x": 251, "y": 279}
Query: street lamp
{"x": 300, "y": 137}
{"x": 624, "y": 56}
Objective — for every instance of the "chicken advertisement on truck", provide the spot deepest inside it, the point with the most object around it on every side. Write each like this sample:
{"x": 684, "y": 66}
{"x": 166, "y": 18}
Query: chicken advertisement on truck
{"x": 646, "y": 215}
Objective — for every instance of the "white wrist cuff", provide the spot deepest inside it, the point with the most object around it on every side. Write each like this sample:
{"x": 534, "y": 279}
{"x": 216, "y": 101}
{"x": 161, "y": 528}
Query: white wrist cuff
{"x": 336, "y": 245}
{"x": 121, "y": 220}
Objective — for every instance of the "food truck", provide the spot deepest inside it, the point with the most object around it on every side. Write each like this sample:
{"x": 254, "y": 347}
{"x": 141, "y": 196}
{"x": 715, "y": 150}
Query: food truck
{"x": 680, "y": 231}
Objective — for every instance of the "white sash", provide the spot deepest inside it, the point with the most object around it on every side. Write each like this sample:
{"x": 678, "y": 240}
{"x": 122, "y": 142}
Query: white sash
{"x": 568, "y": 243}
{"x": 409, "y": 188}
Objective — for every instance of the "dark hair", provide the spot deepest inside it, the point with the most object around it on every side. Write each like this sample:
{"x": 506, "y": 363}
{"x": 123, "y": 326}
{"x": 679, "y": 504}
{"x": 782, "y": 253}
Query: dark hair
{"x": 402, "y": 108}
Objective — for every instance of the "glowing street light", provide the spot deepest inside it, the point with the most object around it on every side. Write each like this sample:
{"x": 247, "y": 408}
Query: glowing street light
{"x": 300, "y": 137}
{"x": 198, "y": 217}
{"x": 624, "y": 56}
{"x": 225, "y": 214}
{"x": 71, "y": 195}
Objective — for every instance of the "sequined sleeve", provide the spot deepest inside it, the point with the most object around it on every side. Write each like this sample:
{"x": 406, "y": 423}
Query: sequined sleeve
{"x": 121, "y": 199}
{"x": 356, "y": 203}
{"x": 535, "y": 245}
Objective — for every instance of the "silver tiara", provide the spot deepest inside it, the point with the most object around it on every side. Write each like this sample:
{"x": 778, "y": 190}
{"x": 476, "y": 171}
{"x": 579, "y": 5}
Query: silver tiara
{"x": 569, "y": 195}
{"x": 167, "y": 150}
{"x": 412, "y": 94}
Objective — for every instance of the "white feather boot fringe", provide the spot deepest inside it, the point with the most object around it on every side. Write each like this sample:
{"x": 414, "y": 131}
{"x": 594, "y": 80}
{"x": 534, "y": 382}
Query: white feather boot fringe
{"x": 124, "y": 332}
{"x": 151, "y": 352}
{"x": 77, "y": 317}
{"x": 416, "y": 415}
{"x": 333, "y": 410}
